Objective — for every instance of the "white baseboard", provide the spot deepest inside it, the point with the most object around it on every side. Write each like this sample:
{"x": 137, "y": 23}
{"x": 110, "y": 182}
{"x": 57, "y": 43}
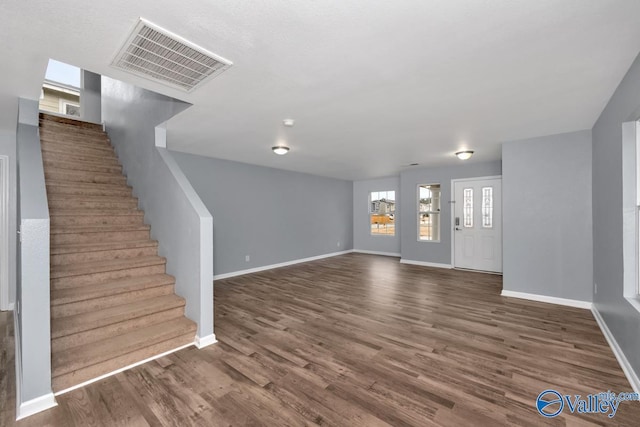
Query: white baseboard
{"x": 425, "y": 264}
{"x": 362, "y": 251}
{"x": 36, "y": 405}
{"x": 548, "y": 299}
{"x": 282, "y": 264}
{"x": 33, "y": 406}
{"x": 117, "y": 371}
{"x": 205, "y": 341}
{"x": 11, "y": 306}
{"x": 617, "y": 351}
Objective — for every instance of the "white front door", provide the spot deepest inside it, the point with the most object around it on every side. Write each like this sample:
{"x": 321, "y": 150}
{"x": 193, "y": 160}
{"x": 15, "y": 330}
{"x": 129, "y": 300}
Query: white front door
{"x": 477, "y": 224}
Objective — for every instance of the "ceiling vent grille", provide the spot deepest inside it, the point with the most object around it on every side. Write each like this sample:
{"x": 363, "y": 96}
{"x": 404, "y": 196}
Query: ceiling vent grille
{"x": 157, "y": 54}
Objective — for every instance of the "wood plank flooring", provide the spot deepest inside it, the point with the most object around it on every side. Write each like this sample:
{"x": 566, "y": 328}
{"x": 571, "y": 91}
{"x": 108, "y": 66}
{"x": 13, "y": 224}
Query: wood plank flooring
{"x": 356, "y": 340}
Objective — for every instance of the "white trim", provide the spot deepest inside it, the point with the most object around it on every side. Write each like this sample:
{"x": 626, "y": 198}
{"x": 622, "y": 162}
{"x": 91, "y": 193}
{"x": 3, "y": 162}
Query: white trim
{"x": 392, "y": 254}
{"x": 634, "y": 301}
{"x": 117, "y": 371}
{"x": 61, "y": 87}
{"x": 205, "y": 341}
{"x": 282, "y": 264}
{"x": 161, "y": 135}
{"x": 17, "y": 343}
{"x": 36, "y": 405}
{"x": 62, "y": 103}
{"x": 5, "y": 300}
{"x": 551, "y": 300}
{"x": 477, "y": 178}
{"x": 617, "y": 351}
{"x": 33, "y": 406}
{"x": 425, "y": 264}
{"x": 417, "y": 212}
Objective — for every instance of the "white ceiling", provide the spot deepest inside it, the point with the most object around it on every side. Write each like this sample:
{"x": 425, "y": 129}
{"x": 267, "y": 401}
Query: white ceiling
{"x": 373, "y": 85}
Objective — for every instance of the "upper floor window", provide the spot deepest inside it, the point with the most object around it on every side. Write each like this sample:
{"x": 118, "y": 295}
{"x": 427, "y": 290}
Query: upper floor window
{"x": 429, "y": 212}
{"x": 382, "y": 213}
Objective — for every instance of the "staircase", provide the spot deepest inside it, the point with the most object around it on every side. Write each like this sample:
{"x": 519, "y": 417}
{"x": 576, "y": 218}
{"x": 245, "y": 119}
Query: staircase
{"x": 112, "y": 304}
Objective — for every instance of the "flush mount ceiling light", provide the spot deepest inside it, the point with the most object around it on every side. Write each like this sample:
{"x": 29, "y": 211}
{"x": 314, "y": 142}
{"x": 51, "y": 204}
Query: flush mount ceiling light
{"x": 464, "y": 155}
{"x": 288, "y": 122}
{"x": 280, "y": 150}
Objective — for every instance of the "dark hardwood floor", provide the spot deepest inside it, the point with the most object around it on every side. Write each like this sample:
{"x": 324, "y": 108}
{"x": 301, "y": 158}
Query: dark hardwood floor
{"x": 356, "y": 340}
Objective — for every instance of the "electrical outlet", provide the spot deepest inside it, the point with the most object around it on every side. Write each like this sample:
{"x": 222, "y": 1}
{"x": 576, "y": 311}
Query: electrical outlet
{"x": 247, "y": 258}
{"x": 338, "y": 245}
{"x": 595, "y": 287}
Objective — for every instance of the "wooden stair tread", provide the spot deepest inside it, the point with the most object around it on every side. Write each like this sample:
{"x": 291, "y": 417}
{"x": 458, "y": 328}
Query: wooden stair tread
{"x": 78, "y": 357}
{"x": 44, "y": 117}
{"x": 52, "y": 137}
{"x": 58, "y": 129}
{"x": 87, "y": 185}
{"x": 121, "y": 352}
{"x": 51, "y": 156}
{"x": 69, "y": 248}
{"x": 65, "y": 326}
{"x": 97, "y": 229}
{"x": 76, "y": 141}
{"x": 90, "y": 267}
{"x": 112, "y": 287}
{"x": 61, "y": 165}
{"x": 65, "y": 153}
{"x": 96, "y": 212}
{"x": 81, "y": 198}
{"x": 53, "y": 170}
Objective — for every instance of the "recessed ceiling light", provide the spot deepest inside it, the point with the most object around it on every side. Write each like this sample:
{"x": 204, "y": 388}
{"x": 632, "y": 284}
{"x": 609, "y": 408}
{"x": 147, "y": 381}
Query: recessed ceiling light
{"x": 464, "y": 155}
{"x": 288, "y": 122}
{"x": 280, "y": 150}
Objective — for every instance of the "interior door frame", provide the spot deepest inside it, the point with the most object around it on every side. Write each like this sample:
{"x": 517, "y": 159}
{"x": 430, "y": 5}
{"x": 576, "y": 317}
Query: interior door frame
{"x": 453, "y": 210}
{"x": 4, "y": 231}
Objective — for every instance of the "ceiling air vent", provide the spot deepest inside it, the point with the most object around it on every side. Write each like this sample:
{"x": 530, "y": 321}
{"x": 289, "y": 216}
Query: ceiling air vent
{"x": 157, "y": 54}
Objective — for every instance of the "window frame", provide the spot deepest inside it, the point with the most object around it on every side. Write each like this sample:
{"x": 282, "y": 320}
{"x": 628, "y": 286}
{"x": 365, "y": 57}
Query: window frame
{"x": 63, "y": 107}
{"x": 630, "y": 213}
{"x": 370, "y": 213}
{"x": 438, "y": 212}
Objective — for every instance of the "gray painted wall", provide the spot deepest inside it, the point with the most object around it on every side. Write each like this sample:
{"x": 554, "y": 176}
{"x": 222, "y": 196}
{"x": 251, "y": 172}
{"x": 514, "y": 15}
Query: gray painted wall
{"x": 362, "y": 238}
{"x": 621, "y": 318}
{"x": 546, "y": 216}
{"x": 90, "y": 97}
{"x": 439, "y": 253}
{"x": 182, "y": 228}
{"x": 8, "y": 148}
{"x": 32, "y": 299}
{"x": 271, "y": 215}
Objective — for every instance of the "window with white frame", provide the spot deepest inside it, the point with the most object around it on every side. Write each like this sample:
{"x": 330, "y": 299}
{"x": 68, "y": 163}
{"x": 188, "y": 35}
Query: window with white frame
{"x": 69, "y": 108}
{"x": 382, "y": 213}
{"x": 429, "y": 212}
